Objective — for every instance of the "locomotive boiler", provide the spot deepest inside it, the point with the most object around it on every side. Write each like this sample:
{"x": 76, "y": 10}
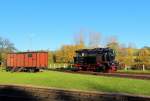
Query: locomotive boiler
{"x": 97, "y": 59}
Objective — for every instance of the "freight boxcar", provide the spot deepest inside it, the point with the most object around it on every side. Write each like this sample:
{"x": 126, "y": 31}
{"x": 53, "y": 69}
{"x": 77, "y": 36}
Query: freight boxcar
{"x": 27, "y": 61}
{"x": 98, "y": 59}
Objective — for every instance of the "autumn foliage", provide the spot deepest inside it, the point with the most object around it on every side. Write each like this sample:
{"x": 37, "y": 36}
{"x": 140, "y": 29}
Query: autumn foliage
{"x": 127, "y": 55}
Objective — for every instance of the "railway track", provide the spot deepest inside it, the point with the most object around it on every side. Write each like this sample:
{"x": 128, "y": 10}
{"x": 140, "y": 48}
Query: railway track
{"x": 122, "y": 75}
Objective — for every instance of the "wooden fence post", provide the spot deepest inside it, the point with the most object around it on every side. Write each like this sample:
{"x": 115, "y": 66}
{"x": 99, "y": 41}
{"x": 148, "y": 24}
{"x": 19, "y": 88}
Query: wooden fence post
{"x": 143, "y": 67}
{"x": 50, "y": 66}
{"x": 54, "y": 66}
{"x": 64, "y": 65}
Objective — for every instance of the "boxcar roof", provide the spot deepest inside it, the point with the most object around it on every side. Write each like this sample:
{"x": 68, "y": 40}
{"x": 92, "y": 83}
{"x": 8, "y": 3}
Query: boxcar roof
{"x": 28, "y": 52}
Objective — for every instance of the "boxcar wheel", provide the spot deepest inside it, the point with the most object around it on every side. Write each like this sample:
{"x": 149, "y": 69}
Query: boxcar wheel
{"x": 32, "y": 70}
{"x": 8, "y": 69}
{"x": 36, "y": 70}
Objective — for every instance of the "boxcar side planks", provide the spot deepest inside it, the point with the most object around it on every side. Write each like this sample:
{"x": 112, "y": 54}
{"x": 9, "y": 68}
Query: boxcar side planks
{"x": 27, "y": 61}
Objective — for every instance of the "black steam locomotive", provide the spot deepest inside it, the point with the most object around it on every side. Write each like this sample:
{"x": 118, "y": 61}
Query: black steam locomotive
{"x": 97, "y": 60}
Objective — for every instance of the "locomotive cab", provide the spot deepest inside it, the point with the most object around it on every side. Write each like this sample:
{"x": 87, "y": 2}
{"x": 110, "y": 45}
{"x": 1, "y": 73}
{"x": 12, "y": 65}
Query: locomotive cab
{"x": 98, "y": 59}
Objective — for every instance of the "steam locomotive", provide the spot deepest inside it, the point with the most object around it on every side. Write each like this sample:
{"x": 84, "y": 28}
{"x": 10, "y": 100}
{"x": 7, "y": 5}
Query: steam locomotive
{"x": 97, "y": 60}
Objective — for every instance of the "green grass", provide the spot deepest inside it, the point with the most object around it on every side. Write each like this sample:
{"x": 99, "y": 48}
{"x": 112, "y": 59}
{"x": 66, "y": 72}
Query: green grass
{"x": 77, "y": 81}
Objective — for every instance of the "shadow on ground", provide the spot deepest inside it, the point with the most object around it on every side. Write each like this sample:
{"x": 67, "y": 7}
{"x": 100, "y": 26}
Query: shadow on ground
{"x": 20, "y": 93}
{"x": 13, "y": 94}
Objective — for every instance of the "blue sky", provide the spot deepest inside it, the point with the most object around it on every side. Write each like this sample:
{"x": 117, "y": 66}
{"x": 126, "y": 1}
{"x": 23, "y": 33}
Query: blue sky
{"x": 52, "y": 23}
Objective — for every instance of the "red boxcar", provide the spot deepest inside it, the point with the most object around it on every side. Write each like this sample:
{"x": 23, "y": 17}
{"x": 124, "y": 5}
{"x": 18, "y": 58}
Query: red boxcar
{"x": 27, "y": 61}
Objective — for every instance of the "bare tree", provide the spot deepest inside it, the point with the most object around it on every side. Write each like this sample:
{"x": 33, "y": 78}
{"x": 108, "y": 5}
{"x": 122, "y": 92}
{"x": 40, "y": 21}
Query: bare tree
{"x": 5, "y": 47}
{"x": 112, "y": 39}
{"x": 94, "y": 39}
{"x": 1, "y": 43}
{"x": 131, "y": 45}
{"x": 79, "y": 38}
{"x": 113, "y": 44}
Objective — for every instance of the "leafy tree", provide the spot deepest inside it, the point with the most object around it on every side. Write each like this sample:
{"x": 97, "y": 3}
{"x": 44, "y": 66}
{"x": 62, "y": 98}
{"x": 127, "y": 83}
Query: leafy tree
{"x": 144, "y": 57}
{"x": 51, "y": 57}
{"x": 66, "y": 53}
{"x": 129, "y": 58}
